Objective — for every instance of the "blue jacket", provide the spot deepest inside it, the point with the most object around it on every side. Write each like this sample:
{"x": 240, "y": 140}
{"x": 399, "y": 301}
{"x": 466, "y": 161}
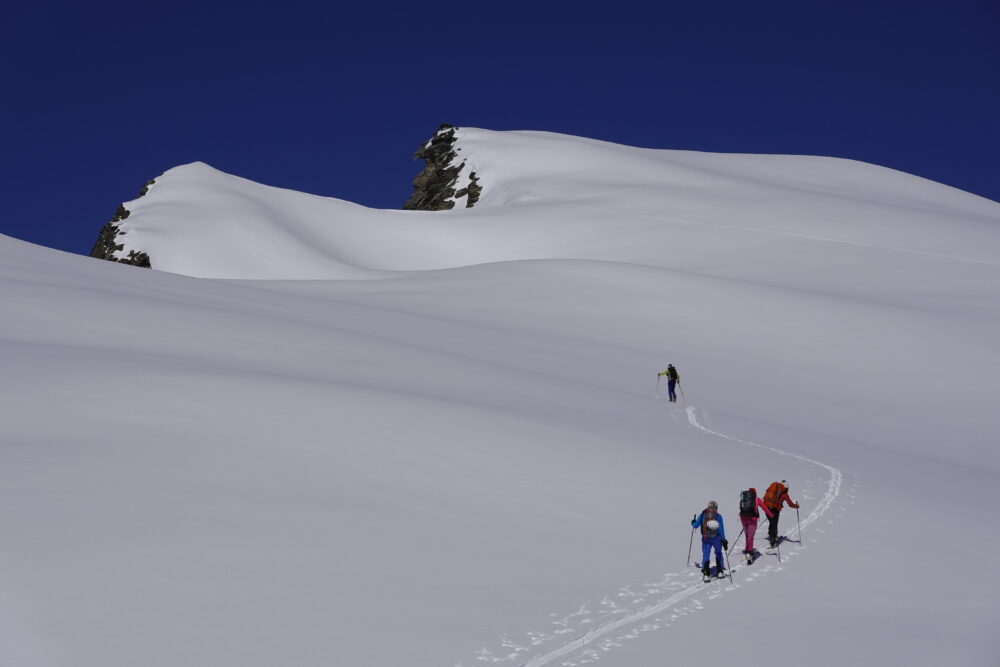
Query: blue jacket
{"x": 718, "y": 517}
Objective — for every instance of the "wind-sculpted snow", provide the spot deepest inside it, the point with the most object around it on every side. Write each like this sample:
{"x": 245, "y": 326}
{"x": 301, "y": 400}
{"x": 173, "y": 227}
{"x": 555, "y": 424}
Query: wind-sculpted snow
{"x": 409, "y": 432}
{"x": 555, "y": 196}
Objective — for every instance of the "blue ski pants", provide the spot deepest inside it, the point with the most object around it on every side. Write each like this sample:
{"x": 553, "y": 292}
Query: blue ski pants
{"x": 707, "y": 544}
{"x": 670, "y": 389}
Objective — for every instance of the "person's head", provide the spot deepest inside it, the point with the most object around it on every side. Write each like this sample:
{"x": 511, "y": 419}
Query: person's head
{"x": 670, "y": 365}
{"x": 712, "y": 505}
{"x": 753, "y": 490}
{"x": 784, "y": 483}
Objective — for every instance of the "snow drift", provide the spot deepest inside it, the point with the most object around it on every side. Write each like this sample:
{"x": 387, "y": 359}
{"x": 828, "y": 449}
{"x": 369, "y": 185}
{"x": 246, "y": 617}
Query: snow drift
{"x": 430, "y": 438}
{"x": 553, "y": 196}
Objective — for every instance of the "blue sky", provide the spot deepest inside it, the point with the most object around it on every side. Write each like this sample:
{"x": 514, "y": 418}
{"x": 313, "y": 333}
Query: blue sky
{"x": 99, "y": 97}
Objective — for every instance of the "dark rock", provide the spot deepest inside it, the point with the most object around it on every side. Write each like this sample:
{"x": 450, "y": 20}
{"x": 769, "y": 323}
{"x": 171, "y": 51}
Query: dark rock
{"x": 105, "y": 246}
{"x": 107, "y": 243}
{"x": 472, "y": 191}
{"x": 134, "y": 258}
{"x": 434, "y": 186}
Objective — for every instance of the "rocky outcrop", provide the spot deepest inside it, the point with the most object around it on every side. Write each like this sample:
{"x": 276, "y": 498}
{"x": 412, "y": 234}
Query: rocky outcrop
{"x": 108, "y": 245}
{"x": 447, "y": 179}
{"x": 435, "y": 188}
{"x": 470, "y": 191}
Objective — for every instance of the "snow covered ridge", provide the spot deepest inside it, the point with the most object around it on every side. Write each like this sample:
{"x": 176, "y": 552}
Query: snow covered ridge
{"x": 442, "y": 183}
{"x": 545, "y": 195}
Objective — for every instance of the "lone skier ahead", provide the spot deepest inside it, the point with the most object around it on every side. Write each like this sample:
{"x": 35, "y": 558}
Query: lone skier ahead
{"x": 776, "y": 496}
{"x": 673, "y": 377}
{"x": 713, "y": 536}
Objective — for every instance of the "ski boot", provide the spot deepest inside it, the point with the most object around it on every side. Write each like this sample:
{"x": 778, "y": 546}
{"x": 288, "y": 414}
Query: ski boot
{"x": 706, "y": 574}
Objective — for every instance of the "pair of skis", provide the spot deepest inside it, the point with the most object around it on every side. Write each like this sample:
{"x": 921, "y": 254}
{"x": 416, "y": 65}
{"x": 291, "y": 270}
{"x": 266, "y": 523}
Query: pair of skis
{"x": 719, "y": 574}
{"x": 657, "y": 394}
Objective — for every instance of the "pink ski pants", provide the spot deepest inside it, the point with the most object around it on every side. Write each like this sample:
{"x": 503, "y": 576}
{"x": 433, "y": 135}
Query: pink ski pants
{"x": 749, "y": 528}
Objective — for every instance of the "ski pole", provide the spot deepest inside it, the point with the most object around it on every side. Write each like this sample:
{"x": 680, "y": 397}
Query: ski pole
{"x": 682, "y": 391}
{"x": 779, "y": 549}
{"x": 691, "y": 541}
{"x": 657, "y": 386}
{"x": 798, "y": 521}
{"x": 729, "y": 569}
{"x": 734, "y": 544}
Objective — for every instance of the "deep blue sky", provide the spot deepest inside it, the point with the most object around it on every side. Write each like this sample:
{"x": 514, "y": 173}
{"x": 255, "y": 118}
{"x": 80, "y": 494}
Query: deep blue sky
{"x": 99, "y": 97}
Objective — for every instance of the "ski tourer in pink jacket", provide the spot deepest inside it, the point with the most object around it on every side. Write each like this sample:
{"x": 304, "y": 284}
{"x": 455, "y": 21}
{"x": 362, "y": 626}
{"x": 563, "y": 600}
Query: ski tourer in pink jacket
{"x": 750, "y": 503}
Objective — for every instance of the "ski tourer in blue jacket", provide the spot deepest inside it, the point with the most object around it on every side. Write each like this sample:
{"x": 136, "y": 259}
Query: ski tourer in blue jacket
{"x": 713, "y": 536}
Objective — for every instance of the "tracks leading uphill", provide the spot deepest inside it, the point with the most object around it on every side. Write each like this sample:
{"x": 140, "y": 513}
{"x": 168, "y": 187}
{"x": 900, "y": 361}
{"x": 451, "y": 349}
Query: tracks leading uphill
{"x": 627, "y": 614}
{"x": 836, "y": 478}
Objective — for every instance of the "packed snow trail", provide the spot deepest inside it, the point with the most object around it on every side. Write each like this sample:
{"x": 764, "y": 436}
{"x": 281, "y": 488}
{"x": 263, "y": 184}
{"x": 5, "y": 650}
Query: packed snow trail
{"x": 648, "y": 611}
{"x": 836, "y": 478}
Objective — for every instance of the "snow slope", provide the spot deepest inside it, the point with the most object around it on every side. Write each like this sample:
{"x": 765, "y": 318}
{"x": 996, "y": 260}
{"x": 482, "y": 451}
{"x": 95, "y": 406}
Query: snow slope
{"x": 328, "y": 435}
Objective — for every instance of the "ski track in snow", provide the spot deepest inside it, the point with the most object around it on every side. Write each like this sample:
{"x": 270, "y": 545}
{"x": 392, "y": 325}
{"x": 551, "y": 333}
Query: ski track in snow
{"x": 627, "y": 608}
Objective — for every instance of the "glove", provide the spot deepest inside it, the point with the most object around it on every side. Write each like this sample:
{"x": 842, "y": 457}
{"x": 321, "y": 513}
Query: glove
{"x": 725, "y": 544}
{"x": 796, "y": 505}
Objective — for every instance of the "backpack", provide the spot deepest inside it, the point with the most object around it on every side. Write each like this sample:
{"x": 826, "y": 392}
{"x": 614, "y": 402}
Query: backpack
{"x": 672, "y": 373}
{"x": 774, "y": 495}
{"x": 748, "y": 503}
{"x": 706, "y": 516}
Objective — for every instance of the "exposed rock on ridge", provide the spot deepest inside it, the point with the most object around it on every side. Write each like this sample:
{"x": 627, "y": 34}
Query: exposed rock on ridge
{"x": 108, "y": 246}
{"x": 471, "y": 191}
{"x": 434, "y": 188}
{"x": 445, "y": 180}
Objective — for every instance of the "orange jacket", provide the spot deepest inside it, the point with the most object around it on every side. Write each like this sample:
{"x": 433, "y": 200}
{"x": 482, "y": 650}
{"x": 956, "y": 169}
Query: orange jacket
{"x": 776, "y": 496}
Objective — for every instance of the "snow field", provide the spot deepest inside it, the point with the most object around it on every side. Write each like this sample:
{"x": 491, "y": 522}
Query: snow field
{"x": 366, "y": 437}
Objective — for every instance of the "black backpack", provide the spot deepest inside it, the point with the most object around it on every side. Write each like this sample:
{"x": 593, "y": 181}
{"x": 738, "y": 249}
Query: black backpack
{"x": 748, "y": 503}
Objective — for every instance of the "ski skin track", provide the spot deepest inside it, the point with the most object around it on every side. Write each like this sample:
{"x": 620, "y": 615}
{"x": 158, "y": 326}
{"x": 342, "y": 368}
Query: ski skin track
{"x": 833, "y": 490}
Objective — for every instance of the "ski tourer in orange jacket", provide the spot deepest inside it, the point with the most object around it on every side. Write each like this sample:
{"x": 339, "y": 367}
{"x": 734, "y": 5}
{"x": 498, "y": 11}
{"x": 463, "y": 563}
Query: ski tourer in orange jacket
{"x": 776, "y": 496}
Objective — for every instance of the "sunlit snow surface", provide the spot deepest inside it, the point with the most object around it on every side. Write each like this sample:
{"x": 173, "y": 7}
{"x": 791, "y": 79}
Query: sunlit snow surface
{"x": 346, "y": 436}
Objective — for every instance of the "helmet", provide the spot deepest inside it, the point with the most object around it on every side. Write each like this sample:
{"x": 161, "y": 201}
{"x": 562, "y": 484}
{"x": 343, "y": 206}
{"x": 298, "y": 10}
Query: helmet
{"x": 712, "y": 505}
{"x": 713, "y": 525}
